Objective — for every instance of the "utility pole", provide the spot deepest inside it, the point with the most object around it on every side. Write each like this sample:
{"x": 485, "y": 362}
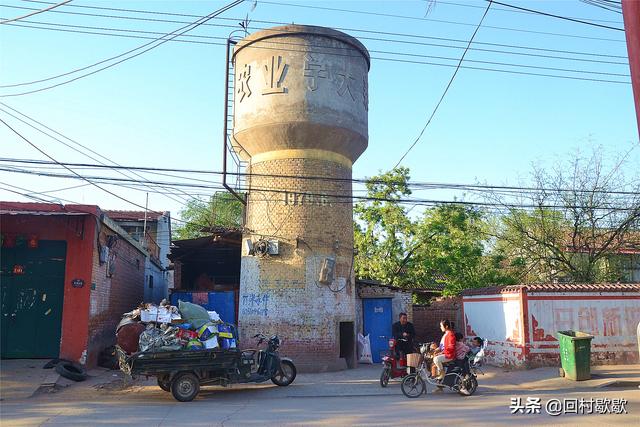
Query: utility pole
{"x": 144, "y": 228}
{"x": 631, "y": 15}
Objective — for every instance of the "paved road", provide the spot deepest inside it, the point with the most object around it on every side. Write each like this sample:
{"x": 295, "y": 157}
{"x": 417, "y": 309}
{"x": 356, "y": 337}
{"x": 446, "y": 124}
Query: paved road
{"x": 347, "y": 398}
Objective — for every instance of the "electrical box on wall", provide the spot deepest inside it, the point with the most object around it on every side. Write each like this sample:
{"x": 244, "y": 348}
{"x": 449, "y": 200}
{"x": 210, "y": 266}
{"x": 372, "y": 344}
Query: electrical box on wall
{"x": 327, "y": 270}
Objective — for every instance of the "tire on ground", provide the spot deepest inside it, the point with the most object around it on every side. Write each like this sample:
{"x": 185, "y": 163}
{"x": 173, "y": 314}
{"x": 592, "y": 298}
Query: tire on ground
{"x": 71, "y": 370}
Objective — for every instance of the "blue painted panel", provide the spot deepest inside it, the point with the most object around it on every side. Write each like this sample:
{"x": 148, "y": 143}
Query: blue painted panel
{"x": 224, "y": 304}
{"x": 377, "y": 324}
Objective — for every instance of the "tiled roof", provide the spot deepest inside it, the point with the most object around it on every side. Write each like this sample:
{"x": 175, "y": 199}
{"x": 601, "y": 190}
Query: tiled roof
{"x": 555, "y": 287}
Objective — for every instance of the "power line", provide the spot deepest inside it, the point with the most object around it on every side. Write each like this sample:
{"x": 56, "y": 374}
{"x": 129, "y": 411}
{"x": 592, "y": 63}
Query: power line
{"x": 506, "y": 64}
{"x": 5, "y": 21}
{"x": 308, "y": 6}
{"x": 69, "y": 139}
{"x": 336, "y": 28}
{"x": 397, "y": 60}
{"x": 411, "y": 184}
{"x": 593, "y": 24}
{"x": 339, "y": 197}
{"x": 160, "y": 41}
{"x": 446, "y": 89}
{"x": 423, "y": 19}
{"x": 71, "y": 170}
{"x": 413, "y": 43}
{"x": 500, "y": 9}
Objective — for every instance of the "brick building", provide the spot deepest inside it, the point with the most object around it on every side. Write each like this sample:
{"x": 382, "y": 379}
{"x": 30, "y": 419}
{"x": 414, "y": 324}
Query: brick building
{"x": 67, "y": 275}
{"x": 156, "y": 239}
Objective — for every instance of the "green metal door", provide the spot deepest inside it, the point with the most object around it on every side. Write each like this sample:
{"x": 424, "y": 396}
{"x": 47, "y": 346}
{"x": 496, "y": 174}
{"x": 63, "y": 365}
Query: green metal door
{"x": 32, "y": 300}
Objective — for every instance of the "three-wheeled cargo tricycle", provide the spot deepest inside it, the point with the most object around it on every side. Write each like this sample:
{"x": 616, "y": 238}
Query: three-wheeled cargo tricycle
{"x": 183, "y": 372}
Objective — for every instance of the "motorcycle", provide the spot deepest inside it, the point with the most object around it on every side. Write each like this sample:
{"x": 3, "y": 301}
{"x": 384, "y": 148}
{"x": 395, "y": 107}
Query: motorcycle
{"x": 460, "y": 375}
{"x": 394, "y": 366}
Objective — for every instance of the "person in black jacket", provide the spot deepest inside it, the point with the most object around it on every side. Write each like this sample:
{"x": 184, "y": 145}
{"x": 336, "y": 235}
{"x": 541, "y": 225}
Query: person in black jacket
{"x": 403, "y": 330}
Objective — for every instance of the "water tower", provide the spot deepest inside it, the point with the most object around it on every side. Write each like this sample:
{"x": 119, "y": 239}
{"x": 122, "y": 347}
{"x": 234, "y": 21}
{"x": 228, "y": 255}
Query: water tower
{"x": 300, "y": 116}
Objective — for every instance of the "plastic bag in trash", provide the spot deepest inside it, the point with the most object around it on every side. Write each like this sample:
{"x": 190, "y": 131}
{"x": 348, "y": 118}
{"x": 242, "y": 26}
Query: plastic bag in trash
{"x": 364, "y": 349}
{"x": 193, "y": 313}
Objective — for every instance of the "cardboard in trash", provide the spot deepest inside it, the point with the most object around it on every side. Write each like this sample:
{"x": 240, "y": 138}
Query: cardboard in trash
{"x": 158, "y": 314}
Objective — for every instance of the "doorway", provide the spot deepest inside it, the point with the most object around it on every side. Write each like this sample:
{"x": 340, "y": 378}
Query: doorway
{"x": 32, "y": 297}
{"x": 377, "y": 324}
{"x": 347, "y": 343}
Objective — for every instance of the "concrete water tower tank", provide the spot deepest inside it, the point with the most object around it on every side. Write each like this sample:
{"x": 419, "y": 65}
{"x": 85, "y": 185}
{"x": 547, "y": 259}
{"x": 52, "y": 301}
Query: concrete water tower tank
{"x": 300, "y": 116}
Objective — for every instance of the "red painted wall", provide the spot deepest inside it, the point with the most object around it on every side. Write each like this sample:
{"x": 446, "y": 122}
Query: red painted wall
{"x": 631, "y": 14}
{"x": 79, "y": 233}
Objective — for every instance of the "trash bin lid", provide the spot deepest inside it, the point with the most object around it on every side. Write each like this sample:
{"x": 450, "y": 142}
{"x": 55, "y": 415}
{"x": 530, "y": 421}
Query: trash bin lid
{"x": 575, "y": 335}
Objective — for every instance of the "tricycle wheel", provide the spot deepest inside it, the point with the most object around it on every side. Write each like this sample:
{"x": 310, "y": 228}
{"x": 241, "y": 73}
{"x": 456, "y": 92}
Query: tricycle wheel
{"x": 285, "y": 375}
{"x": 185, "y": 387}
{"x": 384, "y": 376}
{"x": 164, "y": 383}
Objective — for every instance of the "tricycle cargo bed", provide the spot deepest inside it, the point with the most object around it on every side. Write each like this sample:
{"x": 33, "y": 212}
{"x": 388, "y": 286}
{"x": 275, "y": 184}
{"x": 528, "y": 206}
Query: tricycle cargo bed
{"x": 152, "y": 363}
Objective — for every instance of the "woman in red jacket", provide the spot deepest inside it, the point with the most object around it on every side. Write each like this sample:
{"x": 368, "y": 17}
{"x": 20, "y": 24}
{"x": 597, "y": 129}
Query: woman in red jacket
{"x": 448, "y": 347}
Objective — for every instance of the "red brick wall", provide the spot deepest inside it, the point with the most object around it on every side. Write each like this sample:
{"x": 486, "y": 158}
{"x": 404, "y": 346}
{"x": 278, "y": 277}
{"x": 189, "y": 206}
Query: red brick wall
{"x": 79, "y": 233}
{"x": 426, "y": 319}
{"x": 115, "y": 295}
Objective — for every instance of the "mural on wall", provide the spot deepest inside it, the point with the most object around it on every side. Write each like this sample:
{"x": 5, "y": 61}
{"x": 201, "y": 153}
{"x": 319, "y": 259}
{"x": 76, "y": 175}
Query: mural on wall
{"x": 615, "y": 318}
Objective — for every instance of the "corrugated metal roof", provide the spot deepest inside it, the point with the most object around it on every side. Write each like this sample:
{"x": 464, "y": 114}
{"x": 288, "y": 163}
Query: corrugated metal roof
{"x": 555, "y": 287}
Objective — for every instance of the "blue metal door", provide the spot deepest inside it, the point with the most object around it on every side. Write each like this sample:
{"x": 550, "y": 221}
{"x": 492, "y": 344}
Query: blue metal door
{"x": 377, "y": 324}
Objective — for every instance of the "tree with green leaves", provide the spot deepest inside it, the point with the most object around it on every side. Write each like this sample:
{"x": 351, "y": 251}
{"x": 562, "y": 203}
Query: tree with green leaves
{"x": 203, "y": 216}
{"x": 444, "y": 245}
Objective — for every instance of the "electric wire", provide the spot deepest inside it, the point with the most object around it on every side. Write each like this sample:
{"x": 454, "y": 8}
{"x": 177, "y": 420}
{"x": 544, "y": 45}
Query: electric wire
{"x": 145, "y": 48}
{"x": 120, "y": 171}
{"x": 308, "y": 6}
{"x": 46, "y": 9}
{"x": 223, "y": 39}
{"x": 339, "y": 197}
{"x": 423, "y": 19}
{"x": 557, "y": 16}
{"x": 446, "y": 89}
{"x": 411, "y": 184}
{"x": 499, "y": 9}
{"x": 396, "y": 60}
{"x": 357, "y": 30}
{"x": 399, "y": 53}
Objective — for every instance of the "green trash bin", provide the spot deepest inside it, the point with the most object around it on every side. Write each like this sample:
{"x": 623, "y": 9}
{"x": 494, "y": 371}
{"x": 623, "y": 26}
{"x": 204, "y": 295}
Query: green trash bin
{"x": 575, "y": 354}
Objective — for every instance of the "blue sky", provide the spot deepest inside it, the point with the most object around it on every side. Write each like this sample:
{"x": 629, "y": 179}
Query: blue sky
{"x": 164, "y": 108}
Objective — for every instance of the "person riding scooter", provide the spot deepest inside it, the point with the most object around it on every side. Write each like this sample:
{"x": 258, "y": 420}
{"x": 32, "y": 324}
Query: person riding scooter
{"x": 403, "y": 332}
{"x": 448, "y": 344}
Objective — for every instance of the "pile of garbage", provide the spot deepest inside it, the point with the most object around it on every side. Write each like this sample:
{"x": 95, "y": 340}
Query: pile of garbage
{"x": 165, "y": 327}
